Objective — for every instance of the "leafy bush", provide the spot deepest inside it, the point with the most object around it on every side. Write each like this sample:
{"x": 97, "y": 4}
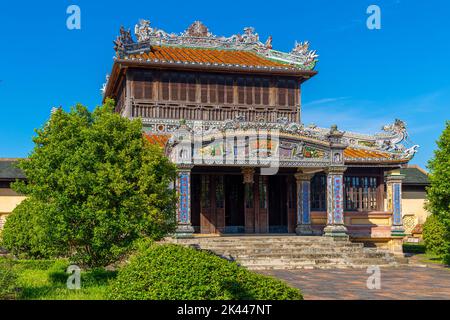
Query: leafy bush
{"x": 94, "y": 185}
{"x": 173, "y": 272}
{"x": 438, "y": 193}
{"x": 27, "y": 235}
{"x": 7, "y": 279}
{"x": 413, "y": 248}
{"x": 436, "y": 237}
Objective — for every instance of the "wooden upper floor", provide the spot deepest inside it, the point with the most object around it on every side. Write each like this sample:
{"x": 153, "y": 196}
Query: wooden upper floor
{"x": 190, "y": 95}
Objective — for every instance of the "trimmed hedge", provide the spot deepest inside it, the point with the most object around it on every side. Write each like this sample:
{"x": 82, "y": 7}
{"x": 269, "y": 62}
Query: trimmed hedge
{"x": 173, "y": 272}
{"x": 414, "y": 248}
{"x": 436, "y": 237}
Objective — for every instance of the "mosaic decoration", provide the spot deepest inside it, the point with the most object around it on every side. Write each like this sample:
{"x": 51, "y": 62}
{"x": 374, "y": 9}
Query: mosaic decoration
{"x": 338, "y": 210}
{"x": 335, "y": 203}
{"x": 397, "y": 198}
{"x": 215, "y": 149}
{"x": 197, "y": 35}
{"x": 330, "y": 219}
{"x": 183, "y": 206}
{"x": 300, "y": 150}
{"x": 306, "y": 219}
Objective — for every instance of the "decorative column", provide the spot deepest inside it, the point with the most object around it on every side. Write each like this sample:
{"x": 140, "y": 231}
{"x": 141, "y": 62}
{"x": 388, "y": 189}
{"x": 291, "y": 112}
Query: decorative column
{"x": 394, "y": 202}
{"x": 335, "y": 203}
{"x": 303, "y": 203}
{"x": 183, "y": 186}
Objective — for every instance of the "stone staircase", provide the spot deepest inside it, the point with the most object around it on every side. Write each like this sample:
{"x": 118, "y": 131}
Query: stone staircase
{"x": 293, "y": 252}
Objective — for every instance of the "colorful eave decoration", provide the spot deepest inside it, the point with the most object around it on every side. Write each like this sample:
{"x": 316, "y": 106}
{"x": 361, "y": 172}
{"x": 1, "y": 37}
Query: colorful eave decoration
{"x": 391, "y": 146}
{"x": 198, "y": 36}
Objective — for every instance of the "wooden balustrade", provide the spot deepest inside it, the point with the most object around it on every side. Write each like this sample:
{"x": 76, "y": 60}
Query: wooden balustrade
{"x": 205, "y": 112}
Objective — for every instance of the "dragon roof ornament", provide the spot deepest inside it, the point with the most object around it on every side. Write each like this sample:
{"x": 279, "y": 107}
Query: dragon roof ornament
{"x": 393, "y": 139}
{"x": 197, "y": 35}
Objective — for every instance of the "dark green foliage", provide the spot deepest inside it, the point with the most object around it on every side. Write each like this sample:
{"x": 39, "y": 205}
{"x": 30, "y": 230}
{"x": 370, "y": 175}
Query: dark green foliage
{"x": 413, "y": 248}
{"x": 95, "y": 185}
{"x": 29, "y": 231}
{"x": 177, "y": 273}
{"x": 438, "y": 194}
{"x": 436, "y": 237}
{"x": 8, "y": 280}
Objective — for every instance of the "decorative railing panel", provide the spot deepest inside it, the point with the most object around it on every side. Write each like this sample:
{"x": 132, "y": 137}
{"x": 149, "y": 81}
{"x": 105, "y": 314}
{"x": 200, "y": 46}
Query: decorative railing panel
{"x": 189, "y": 111}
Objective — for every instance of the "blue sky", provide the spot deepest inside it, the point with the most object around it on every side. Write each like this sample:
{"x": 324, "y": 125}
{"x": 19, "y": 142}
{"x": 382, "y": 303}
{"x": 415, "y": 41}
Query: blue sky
{"x": 366, "y": 78}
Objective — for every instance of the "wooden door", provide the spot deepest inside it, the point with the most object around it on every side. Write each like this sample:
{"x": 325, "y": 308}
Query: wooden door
{"x": 234, "y": 205}
{"x": 207, "y": 214}
{"x": 291, "y": 203}
{"x": 219, "y": 203}
{"x": 249, "y": 200}
{"x": 262, "y": 205}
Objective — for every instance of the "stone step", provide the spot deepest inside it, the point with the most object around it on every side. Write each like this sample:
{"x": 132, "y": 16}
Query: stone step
{"x": 276, "y": 248}
{"x": 241, "y": 245}
{"x": 300, "y": 267}
{"x": 311, "y": 260}
{"x": 258, "y": 239}
{"x": 269, "y": 252}
{"x": 292, "y": 252}
{"x": 264, "y": 240}
{"x": 240, "y": 256}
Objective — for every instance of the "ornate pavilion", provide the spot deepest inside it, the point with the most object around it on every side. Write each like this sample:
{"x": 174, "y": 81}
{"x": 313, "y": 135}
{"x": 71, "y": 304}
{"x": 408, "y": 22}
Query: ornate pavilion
{"x": 227, "y": 111}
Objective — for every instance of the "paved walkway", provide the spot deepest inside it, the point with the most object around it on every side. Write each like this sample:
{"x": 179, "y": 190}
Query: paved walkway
{"x": 401, "y": 283}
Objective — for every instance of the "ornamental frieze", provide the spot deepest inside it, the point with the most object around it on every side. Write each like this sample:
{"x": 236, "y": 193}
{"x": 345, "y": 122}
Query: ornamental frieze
{"x": 297, "y": 142}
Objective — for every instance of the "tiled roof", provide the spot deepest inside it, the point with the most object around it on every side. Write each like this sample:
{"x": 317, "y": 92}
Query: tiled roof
{"x": 235, "y": 58}
{"x": 364, "y": 155}
{"x": 157, "y": 139}
{"x": 414, "y": 175}
{"x": 8, "y": 170}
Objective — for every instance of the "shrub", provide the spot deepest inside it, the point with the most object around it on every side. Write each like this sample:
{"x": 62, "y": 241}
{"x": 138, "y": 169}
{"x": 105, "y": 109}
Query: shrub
{"x": 173, "y": 272}
{"x": 438, "y": 193}
{"x": 436, "y": 237}
{"x": 7, "y": 279}
{"x": 27, "y": 235}
{"x": 96, "y": 185}
{"x": 413, "y": 248}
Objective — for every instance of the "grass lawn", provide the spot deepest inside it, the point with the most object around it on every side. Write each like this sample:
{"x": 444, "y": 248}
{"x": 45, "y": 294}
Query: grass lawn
{"x": 46, "y": 280}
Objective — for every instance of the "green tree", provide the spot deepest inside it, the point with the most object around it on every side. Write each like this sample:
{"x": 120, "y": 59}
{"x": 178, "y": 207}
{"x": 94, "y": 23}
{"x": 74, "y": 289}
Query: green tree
{"x": 100, "y": 186}
{"x": 438, "y": 193}
{"x": 436, "y": 236}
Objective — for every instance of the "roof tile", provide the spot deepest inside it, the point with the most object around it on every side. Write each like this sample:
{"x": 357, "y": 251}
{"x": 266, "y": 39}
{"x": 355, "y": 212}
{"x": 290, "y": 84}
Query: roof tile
{"x": 203, "y": 55}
